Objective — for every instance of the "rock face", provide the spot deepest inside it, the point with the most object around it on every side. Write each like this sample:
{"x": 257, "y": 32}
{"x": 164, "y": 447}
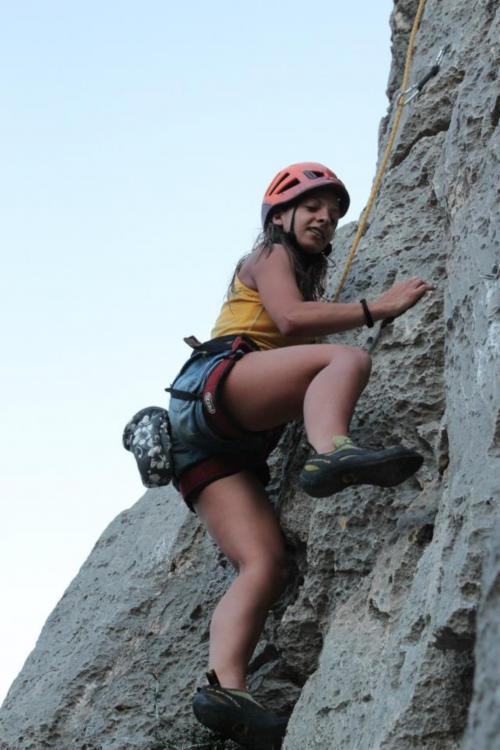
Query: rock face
{"x": 387, "y": 638}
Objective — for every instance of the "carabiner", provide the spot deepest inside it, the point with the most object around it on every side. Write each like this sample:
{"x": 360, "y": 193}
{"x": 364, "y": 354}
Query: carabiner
{"x": 414, "y": 90}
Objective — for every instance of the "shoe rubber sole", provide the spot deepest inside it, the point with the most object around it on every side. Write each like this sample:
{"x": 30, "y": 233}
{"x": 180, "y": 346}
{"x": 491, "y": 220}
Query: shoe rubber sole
{"x": 224, "y": 721}
{"x": 388, "y": 469}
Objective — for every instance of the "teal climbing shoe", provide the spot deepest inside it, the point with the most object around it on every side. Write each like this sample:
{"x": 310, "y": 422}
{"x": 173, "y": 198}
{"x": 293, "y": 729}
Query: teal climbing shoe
{"x": 237, "y": 716}
{"x": 327, "y": 473}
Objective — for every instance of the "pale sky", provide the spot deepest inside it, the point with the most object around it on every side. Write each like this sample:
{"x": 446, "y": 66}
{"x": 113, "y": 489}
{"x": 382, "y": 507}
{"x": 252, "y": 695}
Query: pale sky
{"x": 137, "y": 140}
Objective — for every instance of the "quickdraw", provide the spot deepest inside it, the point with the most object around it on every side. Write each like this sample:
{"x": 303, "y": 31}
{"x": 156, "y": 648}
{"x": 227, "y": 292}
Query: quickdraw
{"x": 413, "y": 91}
{"x": 407, "y": 94}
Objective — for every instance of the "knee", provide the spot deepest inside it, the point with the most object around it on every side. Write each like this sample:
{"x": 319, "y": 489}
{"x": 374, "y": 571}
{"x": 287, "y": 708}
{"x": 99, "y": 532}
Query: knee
{"x": 363, "y": 362}
{"x": 272, "y": 570}
{"x": 278, "y": 571}
{"x": 358, "y": 361}
{"x": 276, "y": 568}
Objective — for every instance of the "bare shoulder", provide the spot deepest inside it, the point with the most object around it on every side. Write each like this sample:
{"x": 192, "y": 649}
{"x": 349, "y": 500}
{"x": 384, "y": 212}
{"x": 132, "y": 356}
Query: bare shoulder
{"x": 276, "y": 282}
{"x": 275, "y": 262}
{"x": 266, "y": 262}
{"x": 246, "y": 271}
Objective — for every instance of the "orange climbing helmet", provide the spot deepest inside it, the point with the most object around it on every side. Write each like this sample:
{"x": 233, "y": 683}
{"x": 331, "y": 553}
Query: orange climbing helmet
{"x": 298, "y": 179}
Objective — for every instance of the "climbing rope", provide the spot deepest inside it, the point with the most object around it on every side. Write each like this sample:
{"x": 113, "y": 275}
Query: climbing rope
{"x": 407, "y": 94}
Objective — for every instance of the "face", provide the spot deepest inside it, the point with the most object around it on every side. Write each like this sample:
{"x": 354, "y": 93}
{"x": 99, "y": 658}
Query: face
{"x": 316, "y": 218}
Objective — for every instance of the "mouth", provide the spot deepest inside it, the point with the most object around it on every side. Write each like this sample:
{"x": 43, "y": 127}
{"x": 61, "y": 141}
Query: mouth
{"x": 317, "y": 233}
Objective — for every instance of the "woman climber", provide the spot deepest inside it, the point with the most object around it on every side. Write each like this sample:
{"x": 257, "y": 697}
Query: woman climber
{"x": 262, "y": 369}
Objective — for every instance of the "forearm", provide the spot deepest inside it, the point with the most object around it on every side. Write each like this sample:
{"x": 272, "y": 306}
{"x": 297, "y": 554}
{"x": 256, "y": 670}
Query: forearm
{"x": 323, "y": 318}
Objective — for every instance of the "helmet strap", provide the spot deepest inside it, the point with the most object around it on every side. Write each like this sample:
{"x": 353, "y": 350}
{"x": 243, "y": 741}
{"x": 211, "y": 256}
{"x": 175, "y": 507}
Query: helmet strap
{"x": 291, "y": 233}
{"x": 277, "y": 234}
{"x": 292, "y": 237}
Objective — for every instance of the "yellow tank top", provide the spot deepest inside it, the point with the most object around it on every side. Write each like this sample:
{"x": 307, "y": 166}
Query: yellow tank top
{"x": 243, "y": 312}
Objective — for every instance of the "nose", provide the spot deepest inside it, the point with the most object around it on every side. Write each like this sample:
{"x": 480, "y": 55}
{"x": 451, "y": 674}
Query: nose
{"x": 323, "y": 214}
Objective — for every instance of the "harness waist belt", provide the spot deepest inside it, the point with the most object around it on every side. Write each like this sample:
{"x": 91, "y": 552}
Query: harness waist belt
{"x": 220, "y": 421}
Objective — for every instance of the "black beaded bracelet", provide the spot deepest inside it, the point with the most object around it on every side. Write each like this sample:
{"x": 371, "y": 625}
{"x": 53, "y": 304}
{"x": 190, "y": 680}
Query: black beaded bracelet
{"x": 368, "y": 315}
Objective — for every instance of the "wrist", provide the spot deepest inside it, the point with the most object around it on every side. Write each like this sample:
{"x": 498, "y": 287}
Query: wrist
{"x": 369, "y": 321}
{"x": 378, "y": 310}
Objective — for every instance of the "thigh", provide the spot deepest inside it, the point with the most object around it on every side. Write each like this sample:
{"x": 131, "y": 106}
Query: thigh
{"x": 241, "y": 520}
{"x": 266, "y": 389}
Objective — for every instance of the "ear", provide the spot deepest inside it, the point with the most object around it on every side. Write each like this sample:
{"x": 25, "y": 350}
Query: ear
{"x": 278, "y": 218}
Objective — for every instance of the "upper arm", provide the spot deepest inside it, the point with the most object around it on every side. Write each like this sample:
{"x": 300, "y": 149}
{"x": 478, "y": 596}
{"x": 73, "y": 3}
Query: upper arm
{"x": 275, "y": 280}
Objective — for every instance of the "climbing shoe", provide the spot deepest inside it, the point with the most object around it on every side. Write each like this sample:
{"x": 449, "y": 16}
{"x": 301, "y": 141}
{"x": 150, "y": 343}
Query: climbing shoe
{"x": 237, "y": 716}
{"x": 327, "y": 473}
{"x": 147, "y": 436}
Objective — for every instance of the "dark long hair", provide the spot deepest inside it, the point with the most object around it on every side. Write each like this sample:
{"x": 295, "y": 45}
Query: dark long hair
{"x": 310, "y": 270}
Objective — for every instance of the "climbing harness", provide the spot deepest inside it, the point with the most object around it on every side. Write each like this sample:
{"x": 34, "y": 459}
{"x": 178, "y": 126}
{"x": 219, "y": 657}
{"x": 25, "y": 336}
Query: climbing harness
{"x": 148, "y": 435}
{"x": 236, "y": 347}
{"x": 407, "y": 94}
{"x": 219, "y": 463}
